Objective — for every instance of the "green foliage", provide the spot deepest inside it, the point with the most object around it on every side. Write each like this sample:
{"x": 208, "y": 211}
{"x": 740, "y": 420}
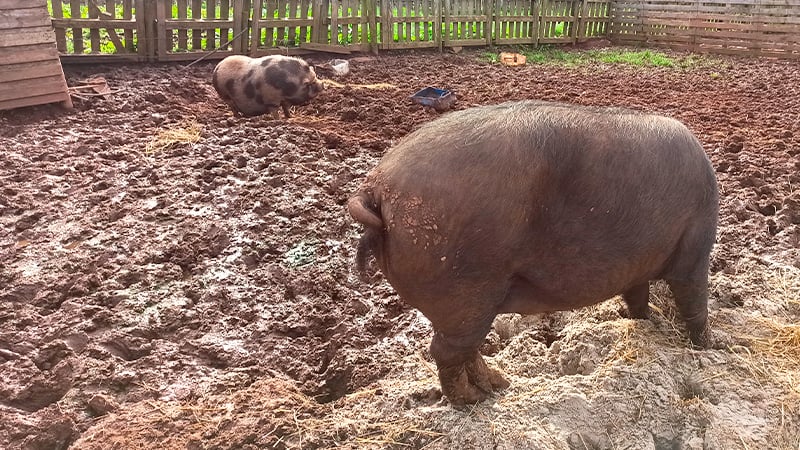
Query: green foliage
{"x": 491, "y": 58}
{"x": 548, "y": 54}
{"x": 643, "y": 58}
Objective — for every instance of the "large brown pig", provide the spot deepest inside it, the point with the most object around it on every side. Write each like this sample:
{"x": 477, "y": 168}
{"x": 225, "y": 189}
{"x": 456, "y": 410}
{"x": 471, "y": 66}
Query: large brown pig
{"x": 254, "y": 86}
{"x": 531, "y": 207}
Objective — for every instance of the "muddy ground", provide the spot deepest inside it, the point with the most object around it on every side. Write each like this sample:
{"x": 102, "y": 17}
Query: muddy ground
{"x": 172, "y": 277}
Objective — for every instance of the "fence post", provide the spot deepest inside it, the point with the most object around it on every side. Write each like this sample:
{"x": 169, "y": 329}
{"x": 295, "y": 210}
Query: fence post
{"x": 386, "y": 24}
{"x": 247, "y": 9}
{"x": 581, "y": 34}
{"x": 238, "y": 27}
{"x": 160, "y": 35}
{"x": 437, "y": 30}
{"x": 318, "y": 16}
{"x": 488, "y": 10}
{"x": 255, "y": 36}
{"x": 142, "y": 39}
{"x": 371, "y": 7}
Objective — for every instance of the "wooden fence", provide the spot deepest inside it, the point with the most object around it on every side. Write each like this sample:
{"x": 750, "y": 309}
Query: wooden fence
{"x": 740, "y": 27}
{"x": 164, "y": 30}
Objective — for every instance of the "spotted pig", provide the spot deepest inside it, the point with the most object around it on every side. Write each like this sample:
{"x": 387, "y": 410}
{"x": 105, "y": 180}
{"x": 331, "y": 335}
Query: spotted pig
{"x": 255, "y": 86}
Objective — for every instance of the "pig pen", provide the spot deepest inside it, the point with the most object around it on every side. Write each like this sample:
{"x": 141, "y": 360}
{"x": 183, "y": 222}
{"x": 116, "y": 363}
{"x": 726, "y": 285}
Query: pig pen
{"x": 172, "y": 277}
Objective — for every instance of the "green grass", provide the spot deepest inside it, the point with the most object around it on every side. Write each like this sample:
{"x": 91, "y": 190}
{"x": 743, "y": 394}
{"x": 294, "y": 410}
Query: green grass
{"x": 637, "y": 58}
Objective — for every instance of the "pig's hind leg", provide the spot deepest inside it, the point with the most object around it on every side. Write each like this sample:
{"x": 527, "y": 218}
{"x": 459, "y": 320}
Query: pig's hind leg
{"x": 286, "y": 111}
{"x": 688, "y": 280}
{"x": 691, "y": 297}
{"x": 636, "y": 299}
{"x": 463, "y": 374}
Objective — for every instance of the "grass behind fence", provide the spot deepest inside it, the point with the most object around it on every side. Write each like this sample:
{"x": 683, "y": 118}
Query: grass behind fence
{"x": 547, "y": 54}
{"x": 345, "y": 34}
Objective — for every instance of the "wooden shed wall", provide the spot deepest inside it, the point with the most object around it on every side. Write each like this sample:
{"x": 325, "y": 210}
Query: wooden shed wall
{"x": 30, "y": 68}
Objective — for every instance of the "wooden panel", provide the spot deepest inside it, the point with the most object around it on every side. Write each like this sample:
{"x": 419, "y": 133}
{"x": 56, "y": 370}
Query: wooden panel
{"x": 21, "y": 18}
{"x": 25, "y": 36}
{"x": 36, "y": 100}
{"x": 27, "y": 53}
{"x": 15, "y": 4}
{"x": 14, "y": 72}
{"x": 30, "y": 87}
{"x": 30, "y": 70}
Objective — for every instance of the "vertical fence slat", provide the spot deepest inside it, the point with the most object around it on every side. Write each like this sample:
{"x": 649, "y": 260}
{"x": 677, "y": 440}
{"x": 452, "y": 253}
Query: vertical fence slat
{"x": 247, "y": 8}
{"x": 162, "y": 11}
{"x": 256, "y": 26}
{"x": 197, "y": 14}
{"x": 225, "y": 14}
{"x": 269, "y": 32}
{"x": 61, "y": 33}
{"x": 386, "y": 20}
{"x": 211, "y": 33}
{"x": 334, "y": 22}
{"x": 127, "y": 14}
{"x": 142, "y": 39}
{"x": 77, "y": 33}
{"x": 182, "y": 8}
{"x": 304, "y": 10}
{"x": 280, "y": 8}
{"x": 94, "y": 33}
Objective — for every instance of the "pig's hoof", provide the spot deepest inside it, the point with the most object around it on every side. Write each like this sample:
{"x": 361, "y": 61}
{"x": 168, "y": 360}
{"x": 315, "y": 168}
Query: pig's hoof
{"x": 638, "y": 313}
{"x": 471, "y": 383}
{"x": 701, "y": 339}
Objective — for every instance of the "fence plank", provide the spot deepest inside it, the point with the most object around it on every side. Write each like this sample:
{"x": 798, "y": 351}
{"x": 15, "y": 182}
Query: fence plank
{"x": 29, "y": 70}
{"x": 256, "y": 26}
{"x": 61, "y": 34}
{"x": 181, "y": 11}
{"x": 164, "y": 38}
{"x": 127, "y": 14}
{"x": 142, "y": 38}
{"x": 25, "y": 36}
{"x": 77, "y": 33}
{"x": 14, "y": 4}
{"x": 36, "y": 100}
{"x": 197, "y": 34}
{"x": 27, "y": 53}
